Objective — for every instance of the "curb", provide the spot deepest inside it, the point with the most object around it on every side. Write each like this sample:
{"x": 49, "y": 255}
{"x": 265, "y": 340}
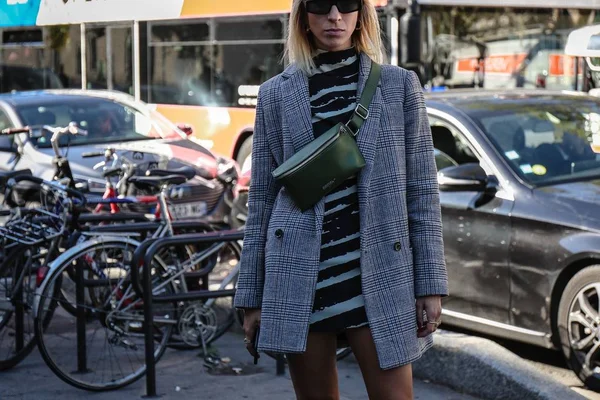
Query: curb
{"x": 483, "y": 368}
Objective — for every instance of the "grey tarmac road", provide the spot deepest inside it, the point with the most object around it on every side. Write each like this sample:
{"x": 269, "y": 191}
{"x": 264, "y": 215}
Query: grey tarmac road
{"x": 181, "y": 375}
{"x": 552, "y": 364}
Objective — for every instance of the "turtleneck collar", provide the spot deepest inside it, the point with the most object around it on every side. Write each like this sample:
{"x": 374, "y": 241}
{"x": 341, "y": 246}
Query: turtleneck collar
{"x": 326, "y": 61}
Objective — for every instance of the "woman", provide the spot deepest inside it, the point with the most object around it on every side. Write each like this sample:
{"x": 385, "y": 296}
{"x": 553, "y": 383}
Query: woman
{"x": 364, "y": 266}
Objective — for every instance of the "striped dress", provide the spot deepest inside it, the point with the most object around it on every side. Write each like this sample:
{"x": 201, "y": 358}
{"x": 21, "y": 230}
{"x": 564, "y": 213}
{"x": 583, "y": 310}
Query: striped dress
{"x": 338, "y": 303}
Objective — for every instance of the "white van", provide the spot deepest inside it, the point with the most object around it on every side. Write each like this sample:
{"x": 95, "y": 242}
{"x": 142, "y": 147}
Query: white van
{"x": 585, "y": 43}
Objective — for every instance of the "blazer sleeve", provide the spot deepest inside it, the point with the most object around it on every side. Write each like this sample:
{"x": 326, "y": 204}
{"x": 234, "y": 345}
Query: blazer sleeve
{"x": 261, "y": 198}
{"x": 422, "y": 195}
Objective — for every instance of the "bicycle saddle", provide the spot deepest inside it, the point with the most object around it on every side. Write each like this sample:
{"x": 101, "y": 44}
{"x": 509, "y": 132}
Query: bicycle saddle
{"x": 112, "y": 172}
{"x": 188, "y": 172}
{"x": 6, "y": 175}
{"x": 158, "y": 181}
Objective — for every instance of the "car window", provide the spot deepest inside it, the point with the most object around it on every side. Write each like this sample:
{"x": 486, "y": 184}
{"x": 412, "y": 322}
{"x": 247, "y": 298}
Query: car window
{"x": 442, "y": 160}
{"x": 451, "y": 147}
{"x": 105, "y": 120}
{"x": 544, "y": 140}
{"x": 5, "y": 141}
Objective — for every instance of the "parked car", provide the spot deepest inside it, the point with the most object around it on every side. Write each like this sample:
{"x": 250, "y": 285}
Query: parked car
{"x": 21, "y": 78}
{"x": 521, "y": 218}
{"x": 114, "y": 120}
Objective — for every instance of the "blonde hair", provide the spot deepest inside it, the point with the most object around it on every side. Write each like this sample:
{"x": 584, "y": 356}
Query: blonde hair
{"x": 300, "y": 48}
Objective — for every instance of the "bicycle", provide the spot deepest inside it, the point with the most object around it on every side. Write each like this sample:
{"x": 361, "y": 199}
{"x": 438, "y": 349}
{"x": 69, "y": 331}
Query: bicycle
{"x": 28, "y": 239}
{"x": 158, "y": 230}
{"x": 116, "y": 308}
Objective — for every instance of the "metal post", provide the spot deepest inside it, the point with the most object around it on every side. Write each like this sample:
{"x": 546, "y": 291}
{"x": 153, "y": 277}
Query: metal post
{"x": 80, "y": 314}
{"x": 136, "y": 60}
{"x": 19, "y": 319}
{"x": 83, "y": 57}
{"x": 394, "y": 33}
{"x": 576, "y": 80}
{"x": 148, "y": 334}
{"x": 109, "y": 58}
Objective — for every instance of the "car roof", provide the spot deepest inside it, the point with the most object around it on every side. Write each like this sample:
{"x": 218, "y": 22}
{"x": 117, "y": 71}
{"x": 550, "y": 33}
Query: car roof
{"x": 40, "y": 97}
{"x": 459, "y": 98}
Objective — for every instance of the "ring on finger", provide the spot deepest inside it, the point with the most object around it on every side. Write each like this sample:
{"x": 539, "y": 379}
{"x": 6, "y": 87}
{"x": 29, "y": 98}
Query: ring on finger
{"x": 246, "y": 340}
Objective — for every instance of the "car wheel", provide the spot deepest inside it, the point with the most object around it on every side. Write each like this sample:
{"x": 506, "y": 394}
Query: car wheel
{"x": 579, "y": 325}
{"x": 244, "y": 152}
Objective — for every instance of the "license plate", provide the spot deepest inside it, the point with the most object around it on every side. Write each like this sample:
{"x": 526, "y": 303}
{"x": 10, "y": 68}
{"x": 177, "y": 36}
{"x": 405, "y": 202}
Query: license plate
{"x": 187, "y": 210}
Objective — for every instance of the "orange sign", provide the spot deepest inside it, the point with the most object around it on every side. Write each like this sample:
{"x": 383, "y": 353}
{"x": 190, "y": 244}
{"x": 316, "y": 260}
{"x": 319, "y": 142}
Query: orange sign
{"x": 496, "y": 64}
{"x": 210, "y": 8}
{"x": 563, "y": 65}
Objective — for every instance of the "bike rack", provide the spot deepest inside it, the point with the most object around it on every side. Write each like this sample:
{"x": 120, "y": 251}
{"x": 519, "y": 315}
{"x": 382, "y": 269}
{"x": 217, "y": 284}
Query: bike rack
{"x": 142, "y": 257}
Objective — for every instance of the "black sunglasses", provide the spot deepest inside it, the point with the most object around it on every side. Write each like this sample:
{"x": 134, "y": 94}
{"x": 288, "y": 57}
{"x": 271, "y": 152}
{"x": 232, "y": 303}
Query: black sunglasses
{"x": 322, "y": 7}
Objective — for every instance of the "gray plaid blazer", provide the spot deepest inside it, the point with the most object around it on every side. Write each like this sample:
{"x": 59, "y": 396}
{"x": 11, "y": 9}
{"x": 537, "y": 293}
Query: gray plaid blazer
{"x": 402, "y": 254}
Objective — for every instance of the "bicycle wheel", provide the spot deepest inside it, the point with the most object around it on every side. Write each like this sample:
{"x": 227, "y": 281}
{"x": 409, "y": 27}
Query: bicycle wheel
{"x": 209, "y": 319}
{"x": 17, "y": 286}
{"x": 104, "y": 349}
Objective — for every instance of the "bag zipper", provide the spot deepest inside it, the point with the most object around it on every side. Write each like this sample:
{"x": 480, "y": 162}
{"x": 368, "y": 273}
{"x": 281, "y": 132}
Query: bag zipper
{"x": 313, "y": 156}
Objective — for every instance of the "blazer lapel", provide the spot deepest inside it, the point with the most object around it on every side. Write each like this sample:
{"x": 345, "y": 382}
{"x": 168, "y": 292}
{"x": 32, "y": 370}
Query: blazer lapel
{"x": 297, "y": 108}
{"x": 296, "y": 102}
{"x": 368, "y": 134}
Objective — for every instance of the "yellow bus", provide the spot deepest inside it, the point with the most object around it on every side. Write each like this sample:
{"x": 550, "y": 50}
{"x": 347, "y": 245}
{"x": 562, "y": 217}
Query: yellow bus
{"x": 200, "y": 62}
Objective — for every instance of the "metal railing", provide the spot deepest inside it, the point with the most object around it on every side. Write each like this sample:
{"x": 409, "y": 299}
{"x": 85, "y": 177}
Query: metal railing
{"x": 143, "y": 257}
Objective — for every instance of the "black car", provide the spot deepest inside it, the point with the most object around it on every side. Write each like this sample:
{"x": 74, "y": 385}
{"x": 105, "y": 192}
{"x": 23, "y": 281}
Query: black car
{"x": 139, "y": 135}
{"x": 520, "y": 195}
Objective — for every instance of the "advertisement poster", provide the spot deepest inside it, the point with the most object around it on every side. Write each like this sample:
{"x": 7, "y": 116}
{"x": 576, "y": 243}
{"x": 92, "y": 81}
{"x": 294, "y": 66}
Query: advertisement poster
{"x": 52, "y": 12}
{"x": 18, "y": 12}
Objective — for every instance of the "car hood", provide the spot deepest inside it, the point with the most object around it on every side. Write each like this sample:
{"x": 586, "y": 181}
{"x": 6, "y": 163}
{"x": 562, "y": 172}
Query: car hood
{"x": 151, "y": 153}
{"x": 579, "y": 199}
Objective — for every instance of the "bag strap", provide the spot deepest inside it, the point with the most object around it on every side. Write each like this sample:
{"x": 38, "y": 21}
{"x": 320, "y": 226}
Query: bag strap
{"x": 361, "y": 112}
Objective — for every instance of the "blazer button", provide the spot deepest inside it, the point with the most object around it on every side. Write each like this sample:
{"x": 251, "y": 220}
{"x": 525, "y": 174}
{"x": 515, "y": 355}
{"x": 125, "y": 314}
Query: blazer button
{"x": 279, "y": 233}
{"x": 397, "y": 246}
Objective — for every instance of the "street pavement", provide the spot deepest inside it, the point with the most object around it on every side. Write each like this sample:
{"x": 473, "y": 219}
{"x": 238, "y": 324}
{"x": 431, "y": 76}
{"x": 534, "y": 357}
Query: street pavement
{"x": 182, "y": 375}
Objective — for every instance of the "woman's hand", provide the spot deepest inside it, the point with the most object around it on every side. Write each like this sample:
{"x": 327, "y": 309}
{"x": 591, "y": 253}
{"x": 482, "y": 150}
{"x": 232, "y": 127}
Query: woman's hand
{"x": 251, "y": 322}
{"x": 431, "y": 306}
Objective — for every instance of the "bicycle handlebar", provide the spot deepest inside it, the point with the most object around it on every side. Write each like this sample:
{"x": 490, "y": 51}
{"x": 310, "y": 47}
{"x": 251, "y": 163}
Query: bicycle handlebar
{"x": 93, "y": 154}
{"x": 15, "y": 131}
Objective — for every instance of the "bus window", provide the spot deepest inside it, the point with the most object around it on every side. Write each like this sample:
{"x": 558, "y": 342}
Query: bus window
{"x": 242, "y": 69}
{"x": 187, "y": 67}
{"x": 181, "y": 75}
{"x": 180, "y": 32}
{"x": 244, "y": 30}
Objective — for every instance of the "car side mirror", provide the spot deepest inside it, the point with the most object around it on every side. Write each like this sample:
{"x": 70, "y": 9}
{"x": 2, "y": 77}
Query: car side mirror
{"x": 186, "y": 128}
{"x": 469, "y": 177}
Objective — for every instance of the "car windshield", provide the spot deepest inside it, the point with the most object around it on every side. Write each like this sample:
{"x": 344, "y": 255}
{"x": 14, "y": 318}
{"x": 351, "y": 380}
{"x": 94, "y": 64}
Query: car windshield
{"x": 106, "y": 120}
{"x": 545, "y": 139}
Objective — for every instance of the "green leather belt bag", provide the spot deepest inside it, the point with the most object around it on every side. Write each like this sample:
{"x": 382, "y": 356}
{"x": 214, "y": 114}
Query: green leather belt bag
{"x": 326, "y": 162}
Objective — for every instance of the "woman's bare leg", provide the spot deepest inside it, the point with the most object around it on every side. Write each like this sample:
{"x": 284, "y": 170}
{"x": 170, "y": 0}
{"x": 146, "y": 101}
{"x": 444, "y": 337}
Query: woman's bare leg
{"x": 392, "y": 384}
{"x": 314, "y": 373}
